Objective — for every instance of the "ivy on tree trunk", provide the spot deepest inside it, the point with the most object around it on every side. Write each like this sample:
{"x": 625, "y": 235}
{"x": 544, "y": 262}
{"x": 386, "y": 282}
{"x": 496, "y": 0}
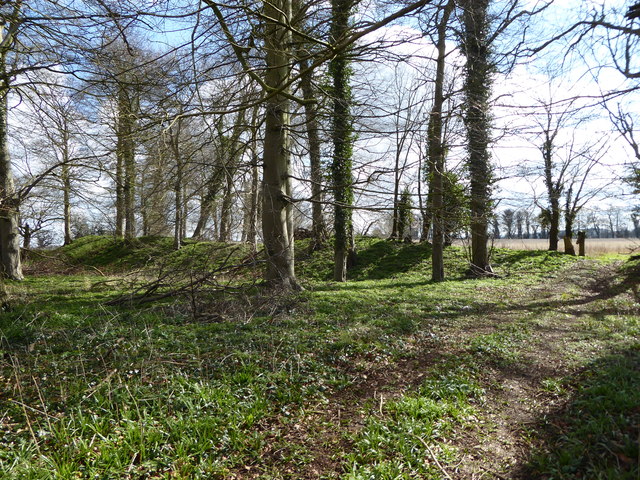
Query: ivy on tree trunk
{"x": 342, "y": 136}
{"x": 477, "y": 89}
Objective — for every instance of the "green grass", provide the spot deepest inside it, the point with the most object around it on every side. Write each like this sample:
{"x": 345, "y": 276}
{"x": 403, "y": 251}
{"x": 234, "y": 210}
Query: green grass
{"x": 401, "y": 443}
{"x": 114, "y": 254}
{"x": 89, "y": 390}
{"x": 599, "y": 435}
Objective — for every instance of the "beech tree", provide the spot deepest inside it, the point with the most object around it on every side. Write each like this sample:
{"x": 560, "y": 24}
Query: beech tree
{"x": 9, "y": 203}
{"x": 56, "y": 138}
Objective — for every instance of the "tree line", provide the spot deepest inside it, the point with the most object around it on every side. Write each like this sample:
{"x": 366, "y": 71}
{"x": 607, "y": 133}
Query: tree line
{"x": 240, "y": 121}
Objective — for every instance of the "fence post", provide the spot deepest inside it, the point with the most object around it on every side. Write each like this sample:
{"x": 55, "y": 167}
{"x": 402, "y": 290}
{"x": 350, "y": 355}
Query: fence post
{"x": 582, "y": 238}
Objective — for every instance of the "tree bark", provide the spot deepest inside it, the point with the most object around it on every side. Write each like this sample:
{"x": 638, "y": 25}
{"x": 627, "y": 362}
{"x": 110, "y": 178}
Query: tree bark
{"x": 569, "y": 218}
{"x": 174, "y": 139}
{"x": 477, "y": 121}
{"x": 395, "y": 234}
{"x": 11, "y": 266}
{"x": 568, "y": 246}
{"x": 125, "y": 165}
{"x": 225, "y": 209}
{"x": 207, "y": 203}
{"x": 277, "y": 225}
{"x": 342, "y": 142}
{"x": 229, "y": 155}
{"x": 119, "y": 180}
{"x": 318, "y": 225}
{"x": 252, "y": 230}
{"x": 66, "y": 194}
{"x": 436, "y": 150}
{"x": 130, "y": 185}
{"x": 582, "y": 240}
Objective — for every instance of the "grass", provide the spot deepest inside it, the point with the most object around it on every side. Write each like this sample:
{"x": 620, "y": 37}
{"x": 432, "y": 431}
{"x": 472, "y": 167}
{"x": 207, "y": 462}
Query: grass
{"x": 394, "y": 445}
{"x": 248, "y": 388}
{"x": 597, "y": 435}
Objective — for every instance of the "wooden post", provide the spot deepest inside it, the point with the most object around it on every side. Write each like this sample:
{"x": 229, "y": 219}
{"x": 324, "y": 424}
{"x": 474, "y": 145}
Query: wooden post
{"x": 582, "y": 238}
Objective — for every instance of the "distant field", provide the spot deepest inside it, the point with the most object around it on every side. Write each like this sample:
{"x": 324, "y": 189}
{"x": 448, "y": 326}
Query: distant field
{"x": 594, "y": 246}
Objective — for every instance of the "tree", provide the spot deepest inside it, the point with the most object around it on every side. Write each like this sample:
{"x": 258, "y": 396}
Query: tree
{"x": 277, "y": 215}
{"x": 405, "y": 215}
{"x": 406, "y": 124}
{"x": 519, "y": 220}
{"x": 477, "y": 90}
{"x": 635, "y": 218}
{"x": 553, "y": 185}
{"x": 9, "y": 215}
{"x": 56, "y": 138}
{"x": 508, "y": 217}
{"x": 567, "y": 163}
{"x": 436, "y": 149}
{"x": 455, "y": 207}
{"x": 312, "y": 108}
{"x": 342, "y": 136}
{"x": 277, "y": 35}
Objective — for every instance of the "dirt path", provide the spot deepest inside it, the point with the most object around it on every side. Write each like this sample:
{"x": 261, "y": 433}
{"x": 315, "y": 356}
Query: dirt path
{"x": 518, "y": 394}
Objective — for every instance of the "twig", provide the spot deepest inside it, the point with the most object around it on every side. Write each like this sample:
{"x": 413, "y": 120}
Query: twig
{"x": 37, "y": 410}
{"x": 16, "y": 368}
{"x": 435, "y": 459}
{"x": 57, "y": 258}
{"x": 95, "y": 388}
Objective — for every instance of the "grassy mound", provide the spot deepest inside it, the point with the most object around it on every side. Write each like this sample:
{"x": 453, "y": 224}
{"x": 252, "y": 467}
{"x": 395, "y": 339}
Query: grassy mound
{"x": 114, "y": 254}
{"x": 376, "y": 258}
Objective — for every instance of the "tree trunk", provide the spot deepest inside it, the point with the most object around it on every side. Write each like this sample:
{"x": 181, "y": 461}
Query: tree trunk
{"x": 436, "y": 151}
{"x": 120, "y": 204}
{"x": 185, "y": 208}
{"x": 125, "y": 165}
{"x": 318, "y": 225}
{"x": 26, "y": 237}
{"x": 477, "y": 120}
{"x": 277, "y": 224}
{"x": 395, "y": 234}
{"x": 129, "y": 191}
{"x": 569, "y": 218}
{"x": 252, "y": 234}
{"x": 582, "y": 240}
{"x": 207, "y": 203}
{"x": 225, "y": 209}
{"x": 177, "y": 190}
{"x": 174, "y": 139}
{"x": 66, "y": 193}
{"x": 11, "y": 266}
{"x": 568, "y": 246}
{"x": 342, "y": 133}
{"x": 554, "y": 224}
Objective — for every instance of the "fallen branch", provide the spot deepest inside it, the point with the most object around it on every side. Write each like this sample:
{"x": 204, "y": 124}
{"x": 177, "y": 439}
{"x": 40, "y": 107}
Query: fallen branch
{"x": 148, "y": 292}
{"x": 433, "y": 456}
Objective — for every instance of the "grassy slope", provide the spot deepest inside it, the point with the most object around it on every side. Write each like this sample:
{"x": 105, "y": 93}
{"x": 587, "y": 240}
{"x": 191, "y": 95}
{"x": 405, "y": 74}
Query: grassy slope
{"x": 375, "y": 378}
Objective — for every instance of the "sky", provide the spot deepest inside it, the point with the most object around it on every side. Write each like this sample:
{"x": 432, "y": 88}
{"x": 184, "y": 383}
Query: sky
{"x": 585, "y": 72}
{"x": 559, "y": 74}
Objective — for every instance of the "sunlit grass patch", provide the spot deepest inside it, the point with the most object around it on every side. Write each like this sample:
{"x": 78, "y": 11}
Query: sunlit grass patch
{"x": 405, "y": 439}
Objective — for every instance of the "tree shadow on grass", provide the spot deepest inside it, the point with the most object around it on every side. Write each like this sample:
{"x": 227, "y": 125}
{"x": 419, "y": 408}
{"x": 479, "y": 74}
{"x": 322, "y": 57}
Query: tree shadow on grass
{"x": 596, "y": 435}
{"x": 386, "y": 259}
